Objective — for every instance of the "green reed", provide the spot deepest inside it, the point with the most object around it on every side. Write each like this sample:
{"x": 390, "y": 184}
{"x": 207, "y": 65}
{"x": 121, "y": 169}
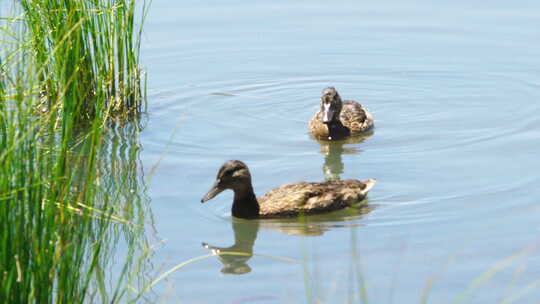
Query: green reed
{"x": 71, "y": 188}
{"x": 2, "y": 85}
{"x": 65, "y": 204}
{"x": 87, "y": 55}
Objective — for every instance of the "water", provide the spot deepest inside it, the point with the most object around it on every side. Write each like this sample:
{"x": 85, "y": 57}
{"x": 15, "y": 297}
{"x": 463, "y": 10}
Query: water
{"x": 454, "y": 88}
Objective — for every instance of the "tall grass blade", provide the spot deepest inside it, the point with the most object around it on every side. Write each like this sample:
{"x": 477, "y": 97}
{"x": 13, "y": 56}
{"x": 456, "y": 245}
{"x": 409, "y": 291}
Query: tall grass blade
{"x": 71, "y": 186}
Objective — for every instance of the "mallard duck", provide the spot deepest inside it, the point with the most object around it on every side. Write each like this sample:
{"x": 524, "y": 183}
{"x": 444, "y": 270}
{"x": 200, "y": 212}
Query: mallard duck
{"x": 339, "y": 119}
{"x": 288, "y": 200}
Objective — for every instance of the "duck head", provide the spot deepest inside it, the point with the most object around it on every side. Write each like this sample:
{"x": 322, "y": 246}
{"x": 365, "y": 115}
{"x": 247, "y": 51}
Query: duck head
{"x": 330, "y": 105}
{"x": 233, "y": 175}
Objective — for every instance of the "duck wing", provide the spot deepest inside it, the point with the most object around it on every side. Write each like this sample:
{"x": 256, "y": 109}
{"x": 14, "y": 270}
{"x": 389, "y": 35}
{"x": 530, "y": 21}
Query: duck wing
{"x": 310, "y": 198}
{"x": 316, "y": 127}
{"x": 355, "y": 117}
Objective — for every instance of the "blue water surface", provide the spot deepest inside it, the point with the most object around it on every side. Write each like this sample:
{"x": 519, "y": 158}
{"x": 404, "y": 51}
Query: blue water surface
{"x": 454, "y": 88}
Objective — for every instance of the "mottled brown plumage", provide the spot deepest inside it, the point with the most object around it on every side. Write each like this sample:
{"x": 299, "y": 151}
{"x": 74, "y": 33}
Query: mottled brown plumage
{"x": 287, "y": 200}
{"x": 337, "y": 119}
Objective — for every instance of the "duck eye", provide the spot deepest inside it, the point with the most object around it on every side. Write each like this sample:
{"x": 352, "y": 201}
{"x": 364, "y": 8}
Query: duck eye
{"x": 229, "y": 172}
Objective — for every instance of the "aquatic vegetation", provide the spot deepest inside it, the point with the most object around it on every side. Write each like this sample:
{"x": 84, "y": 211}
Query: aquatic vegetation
{"x": 86, "y": 55}
{"x": 71, "y": 188}
{"x": 64, "y": 208}
{"x": 2, "y": 85}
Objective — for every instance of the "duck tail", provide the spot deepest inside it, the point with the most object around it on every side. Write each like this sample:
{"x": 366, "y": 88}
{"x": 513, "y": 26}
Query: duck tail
{"x": 369, "y": 184}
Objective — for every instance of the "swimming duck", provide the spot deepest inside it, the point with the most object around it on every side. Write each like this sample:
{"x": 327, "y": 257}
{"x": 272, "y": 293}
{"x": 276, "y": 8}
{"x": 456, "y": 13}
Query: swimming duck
{"x": 288, "y": 200}
{"x": 339, "y": 119}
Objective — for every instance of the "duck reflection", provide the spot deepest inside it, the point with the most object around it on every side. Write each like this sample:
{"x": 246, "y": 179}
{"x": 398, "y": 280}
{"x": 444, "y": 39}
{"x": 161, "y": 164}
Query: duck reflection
{"x": 234, "y": 258}
{"x": 332, "y": 151}
{"x": 317, "y": 225}
{"x": 245, "y": 234}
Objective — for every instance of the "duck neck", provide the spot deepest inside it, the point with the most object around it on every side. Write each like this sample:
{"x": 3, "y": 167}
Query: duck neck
{"x": 245, "y": 203}
{"x": 337, "y": 130}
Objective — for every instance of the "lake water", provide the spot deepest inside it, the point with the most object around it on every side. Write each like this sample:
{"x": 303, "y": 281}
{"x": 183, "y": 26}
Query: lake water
{"x": 455, "y": 91}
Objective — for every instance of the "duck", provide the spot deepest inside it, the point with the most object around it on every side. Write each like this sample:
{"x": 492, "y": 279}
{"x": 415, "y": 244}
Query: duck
{"x": 288, "y": 200}
{"x": 339, "y": 119}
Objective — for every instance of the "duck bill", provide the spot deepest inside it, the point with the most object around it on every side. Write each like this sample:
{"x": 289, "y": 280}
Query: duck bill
{"x": 327, "y": 112}
{"x": 327, "y": 115}
{"x": 215, "y": 190}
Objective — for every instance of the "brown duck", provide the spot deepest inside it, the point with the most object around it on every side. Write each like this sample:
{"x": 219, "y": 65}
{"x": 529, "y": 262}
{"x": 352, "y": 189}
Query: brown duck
{"x": 339, "y": 119}
{"x": 288, "y": 200}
